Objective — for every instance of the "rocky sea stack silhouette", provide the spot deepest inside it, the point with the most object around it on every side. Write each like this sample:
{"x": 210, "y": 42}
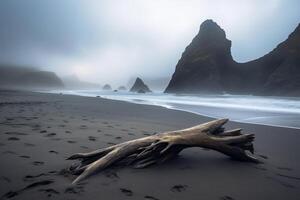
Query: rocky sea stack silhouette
{"x": 139, "y": 86}
{"x": 122, "y": 88}
{"x": 207, "y": 66}
{"x": 106, "y": 87}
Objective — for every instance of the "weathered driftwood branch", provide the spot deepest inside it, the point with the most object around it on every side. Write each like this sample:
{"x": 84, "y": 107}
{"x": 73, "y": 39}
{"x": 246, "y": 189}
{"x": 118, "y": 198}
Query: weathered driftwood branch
{"x": 160, "y": 147}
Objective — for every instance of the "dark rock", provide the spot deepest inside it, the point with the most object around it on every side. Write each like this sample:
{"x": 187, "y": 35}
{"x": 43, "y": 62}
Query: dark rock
{"x": 106, "y": 87}
{"x": 141, "y": 91}
{"x": 206, "y": 66}
{"x": 139, "y": 86}
{"x": 122, "y": 88}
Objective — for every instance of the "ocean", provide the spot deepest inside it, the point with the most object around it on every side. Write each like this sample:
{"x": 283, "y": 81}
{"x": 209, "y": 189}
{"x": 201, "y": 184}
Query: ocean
{"x": 274, "y": 111}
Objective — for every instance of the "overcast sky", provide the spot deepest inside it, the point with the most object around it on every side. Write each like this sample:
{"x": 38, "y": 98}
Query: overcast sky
{"x": 110, "y": 41}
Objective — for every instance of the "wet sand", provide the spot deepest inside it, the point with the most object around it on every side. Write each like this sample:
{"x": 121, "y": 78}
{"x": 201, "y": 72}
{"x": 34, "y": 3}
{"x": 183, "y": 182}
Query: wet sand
{"x": 38, "y": 131}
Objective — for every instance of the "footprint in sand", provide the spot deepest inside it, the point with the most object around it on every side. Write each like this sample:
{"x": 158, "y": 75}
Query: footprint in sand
{"x": 13, "y": 138}
{"x": 43, "y": 131}
{"x": 92, "y": 138}
{"x": 54, "y": 152}
{"x": 29, "y": 145}
{"x": 118, "y": 137}
{"x": 36, "y": 126}
{"x": 15, "y": 133}
{"x": 74, "y": 190}
{"x": 179, "y": 188}
{"x": 127, "y": 192}
{"x": 38, "y": 163}
{"x": 226, "y": 198}
{"x": 32, "y": 177}
{"x": 50, "y": 135}
{"x": 24, "y": 156}
{"x": 12, "y": 194}
{"x": 112, "y": 175}
{"x": 150, "y": 197}
{"x": 83, "y": 127}
{"x": 49, "y": 191}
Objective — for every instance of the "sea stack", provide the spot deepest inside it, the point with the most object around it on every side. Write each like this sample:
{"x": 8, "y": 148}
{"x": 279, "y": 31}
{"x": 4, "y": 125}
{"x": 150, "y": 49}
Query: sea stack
{"x": 122, "y": 88}
{"x": 106, "y": 87}
{"x": 139, "y": 86}
{"x": 207, "y": 66}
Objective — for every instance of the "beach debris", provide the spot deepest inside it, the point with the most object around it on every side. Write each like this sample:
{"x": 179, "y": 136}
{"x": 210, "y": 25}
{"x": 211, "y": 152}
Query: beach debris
{"x": 160, "y": 147}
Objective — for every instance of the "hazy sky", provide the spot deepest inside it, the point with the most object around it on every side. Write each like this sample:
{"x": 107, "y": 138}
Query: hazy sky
{"x": 111, "y": 41}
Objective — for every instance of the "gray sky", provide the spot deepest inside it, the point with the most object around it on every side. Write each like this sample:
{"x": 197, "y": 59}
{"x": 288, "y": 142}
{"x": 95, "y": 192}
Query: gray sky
{"x": 111, "y": 41}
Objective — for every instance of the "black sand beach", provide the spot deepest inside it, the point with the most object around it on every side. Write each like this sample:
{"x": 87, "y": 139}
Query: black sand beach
{"x": 39, "y": 131}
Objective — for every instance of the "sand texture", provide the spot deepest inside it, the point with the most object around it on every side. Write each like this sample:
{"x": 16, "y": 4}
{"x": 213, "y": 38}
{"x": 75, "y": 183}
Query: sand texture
{"x": 39, "y": 131}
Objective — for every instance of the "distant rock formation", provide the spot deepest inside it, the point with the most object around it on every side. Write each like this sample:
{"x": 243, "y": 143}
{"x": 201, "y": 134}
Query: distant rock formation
{"x": 122, "y": 88}
{"x": 155, "y": 83}
{"x": 28, "y": 78}
{"x": 106, "y": 87}
{"x": 139, "y": 86}
{"x": 206, "y": 66}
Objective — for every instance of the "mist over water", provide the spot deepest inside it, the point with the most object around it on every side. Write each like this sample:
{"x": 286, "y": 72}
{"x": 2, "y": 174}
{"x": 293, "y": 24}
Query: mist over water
{"x": 275, "y": 111}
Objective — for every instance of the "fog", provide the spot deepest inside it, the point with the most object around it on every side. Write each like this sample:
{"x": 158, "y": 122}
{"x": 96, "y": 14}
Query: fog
{"x": 113, "y": 41}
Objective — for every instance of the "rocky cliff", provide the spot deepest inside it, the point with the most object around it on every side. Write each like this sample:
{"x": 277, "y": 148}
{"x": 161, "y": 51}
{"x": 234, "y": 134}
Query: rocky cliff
{"x": 28, "y": 78}
{"x": 206, "y": 66}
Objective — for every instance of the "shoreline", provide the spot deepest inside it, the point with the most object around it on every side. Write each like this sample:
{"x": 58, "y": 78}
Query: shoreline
{"x": 177, "y": 109}
{"x": 38, "y": 131}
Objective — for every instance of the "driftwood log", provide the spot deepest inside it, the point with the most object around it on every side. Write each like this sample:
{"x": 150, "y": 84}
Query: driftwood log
{"x": 160, "y": 147}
